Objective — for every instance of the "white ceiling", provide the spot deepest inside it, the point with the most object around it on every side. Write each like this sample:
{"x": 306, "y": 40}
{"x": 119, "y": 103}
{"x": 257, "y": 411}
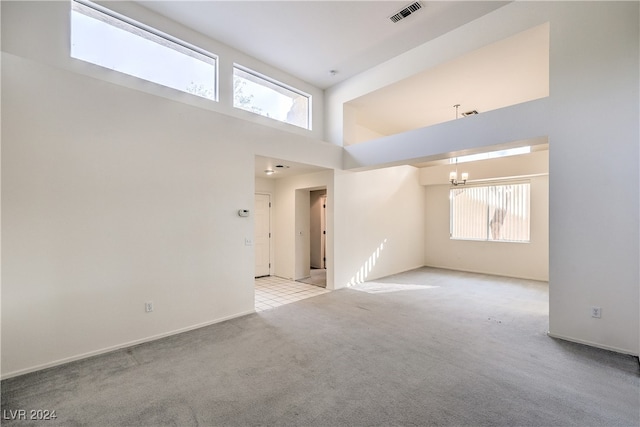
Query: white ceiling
{"x": 309, "y": 38}
{"x": 282, "y": 168}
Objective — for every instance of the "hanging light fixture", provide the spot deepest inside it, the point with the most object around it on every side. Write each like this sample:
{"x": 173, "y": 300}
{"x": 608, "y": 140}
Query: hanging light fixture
{"x": 453, "y": 176}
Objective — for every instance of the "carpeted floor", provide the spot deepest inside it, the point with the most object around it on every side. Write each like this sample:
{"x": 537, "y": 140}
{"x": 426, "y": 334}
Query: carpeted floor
{"x": 426, "y": 347}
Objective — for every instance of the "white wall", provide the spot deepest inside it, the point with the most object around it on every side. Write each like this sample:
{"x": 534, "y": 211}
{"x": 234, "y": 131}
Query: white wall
{"x": 379, "y": 225}
{"x": 116, "y": 192}
{"x": 302, "y": 234}
{"x": 523, "y": 260}
{"x": 111, "y": 199}
{"x": 594, "y": 170}
{"x": 266, "y": 186}
{"x": 591, "y": 120}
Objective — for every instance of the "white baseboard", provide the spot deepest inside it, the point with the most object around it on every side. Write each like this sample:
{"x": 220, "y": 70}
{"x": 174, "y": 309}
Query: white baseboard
{"x": 119, "y": 346}
{"x": 593, "y": 344}
{"x": 491, "y": 273}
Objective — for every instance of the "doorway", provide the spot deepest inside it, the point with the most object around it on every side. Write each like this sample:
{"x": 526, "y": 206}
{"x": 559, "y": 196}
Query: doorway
{"x": 318, "y": 228}
{"x": 317, "y": 274}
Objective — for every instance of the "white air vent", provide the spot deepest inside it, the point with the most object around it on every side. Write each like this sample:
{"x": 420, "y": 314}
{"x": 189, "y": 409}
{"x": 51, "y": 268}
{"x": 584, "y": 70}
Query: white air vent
{"x": 413, "y": 7}
{"x": 470, "y": 113}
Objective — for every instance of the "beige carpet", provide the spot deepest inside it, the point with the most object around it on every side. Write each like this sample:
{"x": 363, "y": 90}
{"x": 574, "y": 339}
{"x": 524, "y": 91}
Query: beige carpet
{"x": 427, "y": 347}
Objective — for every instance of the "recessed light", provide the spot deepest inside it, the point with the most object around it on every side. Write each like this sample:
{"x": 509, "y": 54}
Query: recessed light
{"x": 282, "y": 166}
{"x": 269, "y": 171}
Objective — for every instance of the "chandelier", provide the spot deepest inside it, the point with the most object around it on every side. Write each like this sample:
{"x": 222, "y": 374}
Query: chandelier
{"x": 453, "y": 176}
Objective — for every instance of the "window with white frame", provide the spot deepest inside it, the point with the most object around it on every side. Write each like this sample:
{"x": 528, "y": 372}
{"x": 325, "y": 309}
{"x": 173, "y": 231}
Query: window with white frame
{"x": 491, "y": 212}
{"x": 267, "y": 97}
{"x": 104, "y": 38}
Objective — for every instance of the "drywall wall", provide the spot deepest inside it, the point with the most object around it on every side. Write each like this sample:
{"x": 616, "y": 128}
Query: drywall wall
{"x": 114, "y": 194}
{"x": 508, "y": 72}
{"x": 591, "y": 119}
{"x": 265, "y": 185}
{"x": 498, "y": 129}
{"x": 524, "y": 260}
{"x": 534, "y": 163}
{"x": 303, "y": 233}
{"x": 379, "y": 224}
{"x": 593, "y": 166}
{"x": 112, "y": 198}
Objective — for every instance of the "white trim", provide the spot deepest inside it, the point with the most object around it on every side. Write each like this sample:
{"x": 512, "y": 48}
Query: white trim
{"x": 144, "y": 27}
{"x": 271, "y": 238}
{"x": 593, "y": 344}
{"x": 120, "y": 346}
{"x": 490, "y": 273}
{"x": 269, "y": 79}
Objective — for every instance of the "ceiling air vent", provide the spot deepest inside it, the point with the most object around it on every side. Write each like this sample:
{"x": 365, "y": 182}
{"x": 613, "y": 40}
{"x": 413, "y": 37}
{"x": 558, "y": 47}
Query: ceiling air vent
{"x": 470, "y": 113}
{"x": 413, "y": 7}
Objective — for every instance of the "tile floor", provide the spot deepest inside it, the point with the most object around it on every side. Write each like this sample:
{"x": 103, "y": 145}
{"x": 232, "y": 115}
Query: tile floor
{"x": 318, "y": 277}
{"x": 274, "y": 291}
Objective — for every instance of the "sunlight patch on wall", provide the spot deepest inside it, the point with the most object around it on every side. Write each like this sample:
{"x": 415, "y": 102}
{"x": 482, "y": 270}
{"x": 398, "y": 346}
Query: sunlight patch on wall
{"x": 366, "y": 268}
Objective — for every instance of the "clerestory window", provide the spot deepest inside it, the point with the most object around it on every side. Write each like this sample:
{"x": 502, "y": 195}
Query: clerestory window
{"x": 270, "y": 98}
{"x": 107, "y": 39}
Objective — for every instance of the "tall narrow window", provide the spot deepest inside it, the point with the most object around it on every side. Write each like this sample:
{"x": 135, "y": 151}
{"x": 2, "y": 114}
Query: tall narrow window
{"x": 104, "y": 38}
{"x": 493, "y": 212}
{"x": 260, "y": 95}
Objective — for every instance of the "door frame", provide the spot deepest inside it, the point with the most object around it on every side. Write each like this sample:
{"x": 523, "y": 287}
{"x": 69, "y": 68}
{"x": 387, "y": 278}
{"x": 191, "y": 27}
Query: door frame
{"x": 323, "y": 231}
{"x": 261, "y": 193}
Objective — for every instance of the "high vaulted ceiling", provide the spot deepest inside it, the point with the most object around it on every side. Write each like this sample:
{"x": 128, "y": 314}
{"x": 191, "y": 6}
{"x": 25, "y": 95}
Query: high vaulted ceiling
{"x": 308, "y": 39}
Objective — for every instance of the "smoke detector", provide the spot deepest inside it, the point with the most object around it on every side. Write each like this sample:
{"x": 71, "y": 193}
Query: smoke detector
{"x": 401, "y": 14}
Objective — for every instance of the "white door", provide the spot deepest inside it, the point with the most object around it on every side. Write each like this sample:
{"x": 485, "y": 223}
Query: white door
{"x": 262, "y": 234}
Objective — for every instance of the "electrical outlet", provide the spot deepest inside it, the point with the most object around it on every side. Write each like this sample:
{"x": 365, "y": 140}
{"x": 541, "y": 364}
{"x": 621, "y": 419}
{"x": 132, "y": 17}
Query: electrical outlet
{"x": 148, "y": 306}
{"x": 248, "y": 241}
{"x": 596, "y": 312}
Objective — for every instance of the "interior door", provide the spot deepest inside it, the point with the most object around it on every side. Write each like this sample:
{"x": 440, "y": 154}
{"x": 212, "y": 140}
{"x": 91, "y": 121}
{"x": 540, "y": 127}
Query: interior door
{"x": 262, "y": 234}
